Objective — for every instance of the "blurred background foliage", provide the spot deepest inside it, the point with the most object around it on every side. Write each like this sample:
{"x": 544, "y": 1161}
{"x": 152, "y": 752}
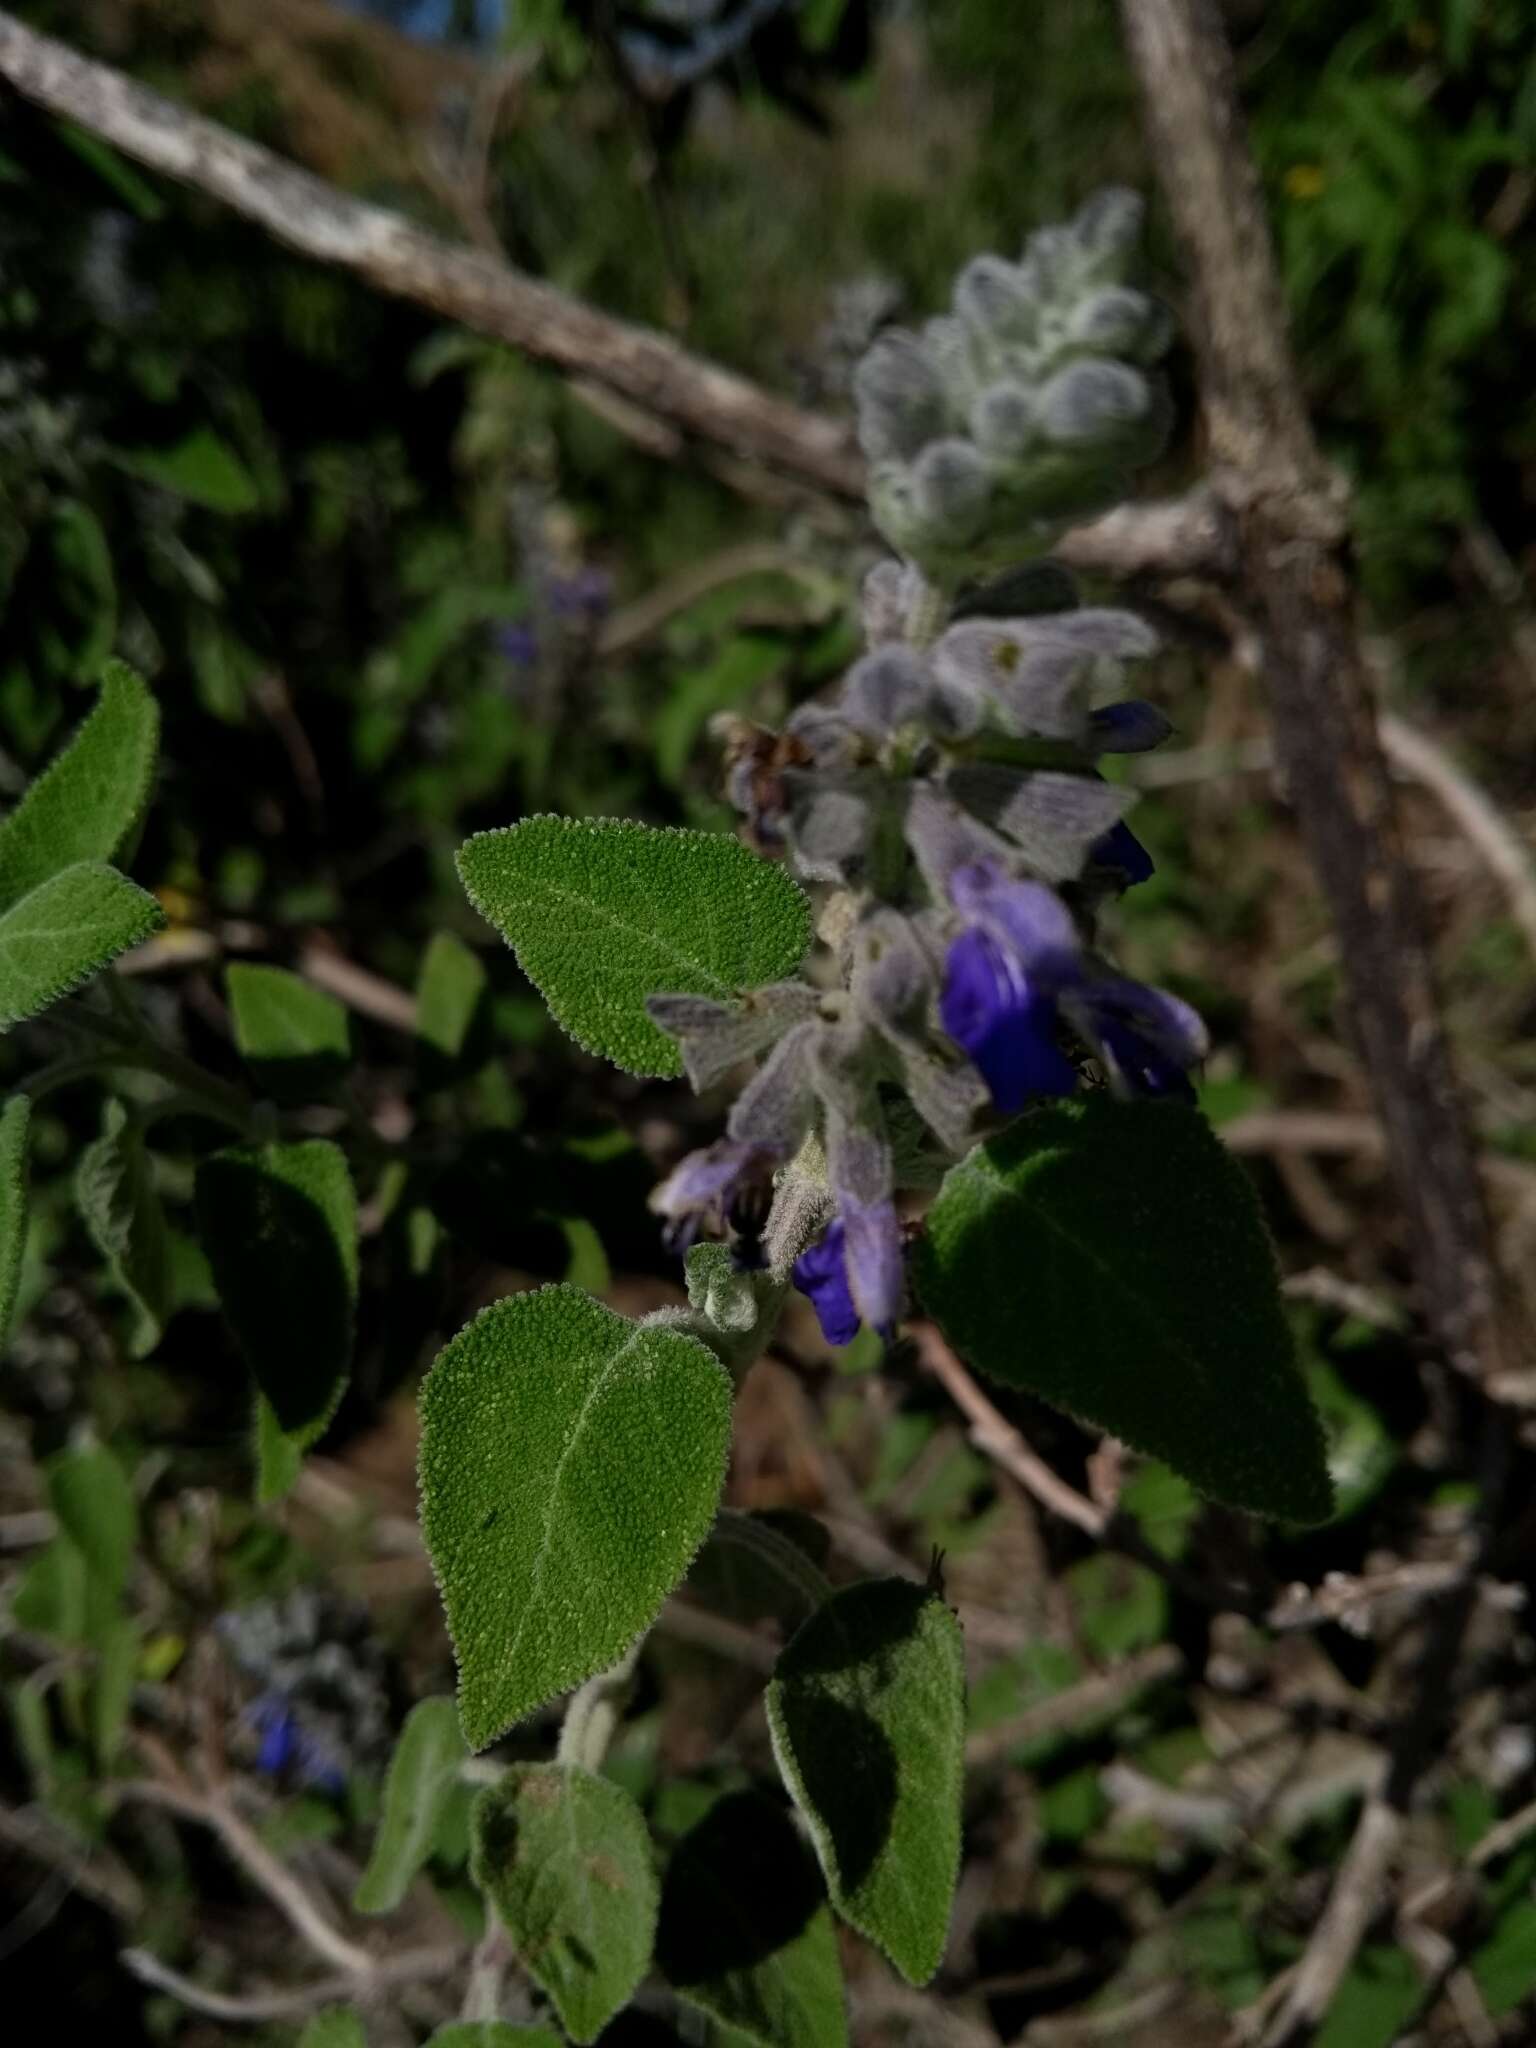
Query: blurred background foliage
{"x": 392, "y": 584}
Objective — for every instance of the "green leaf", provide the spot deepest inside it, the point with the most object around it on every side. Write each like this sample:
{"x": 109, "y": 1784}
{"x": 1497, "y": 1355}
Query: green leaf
{"x": 14, "y": 1120}
{"x": 122, "y": 1212}
{"x": 1504, "y": 1968}
{"x": 200, "y": 467}
{"x": 338, "y": 2026}
{"x": 867, "y": 1713}
{"x": 1382, "y": 1992}
{"x": 117, "y": 1667}
{"x": 86, "y": 804}
{"x": 571, "y": 1462}
{"x": 565, "y": 1859}
{"x": 296, "y": 1038}
{"x": 89, "y": 1492}
{"x": 279, "y": 1225}
{"x": 745, "y": 1934}
{"x": 65, "y": 931}
{"x": 450, "y": 1002}
{"x": 1111, "y": 1257}
{"x": 602, "y": 914}
{"x": 423, "y": 1773}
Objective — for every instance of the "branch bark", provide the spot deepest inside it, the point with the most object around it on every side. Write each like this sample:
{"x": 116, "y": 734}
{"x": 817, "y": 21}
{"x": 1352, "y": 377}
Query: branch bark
{"x": 464, "y": 284}
{"x": 1177, "y": 538}
{"x": 1295, "y": 583}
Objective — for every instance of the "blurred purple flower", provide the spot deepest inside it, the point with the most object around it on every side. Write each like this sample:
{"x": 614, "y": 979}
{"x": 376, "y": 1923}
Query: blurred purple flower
{"x": 821, "y": 1273}
{"x": 288, "y": 1747}
{"x": 518, "y": 643}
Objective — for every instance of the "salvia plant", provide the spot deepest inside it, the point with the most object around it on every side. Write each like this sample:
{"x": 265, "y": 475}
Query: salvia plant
{"x": 937, "y": 1095}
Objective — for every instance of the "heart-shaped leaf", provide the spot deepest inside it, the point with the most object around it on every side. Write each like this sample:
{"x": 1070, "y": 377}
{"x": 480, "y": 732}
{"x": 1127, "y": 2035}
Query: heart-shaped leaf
{"x": 417, "y": 1789}
{"x": 602, "y": 913}
{"x": 564, "y": 1858}
{"x": 1112, "y": 1258}
{"x": 867, "y": 1712}
{"x": 87, "y": 802}
{"x": 279, "y": 1225}
{"x": 67, "y": 929}
{"x": 745, "y": 1934}
{"x": 571, "y": 1463}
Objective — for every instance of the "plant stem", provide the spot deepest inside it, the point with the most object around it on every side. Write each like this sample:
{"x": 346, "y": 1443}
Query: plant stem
{"x": 593, "y": 1715}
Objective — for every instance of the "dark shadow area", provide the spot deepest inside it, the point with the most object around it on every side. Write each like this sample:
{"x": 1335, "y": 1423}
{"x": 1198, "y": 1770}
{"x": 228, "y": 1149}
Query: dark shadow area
{"x": 741, "y": 1885}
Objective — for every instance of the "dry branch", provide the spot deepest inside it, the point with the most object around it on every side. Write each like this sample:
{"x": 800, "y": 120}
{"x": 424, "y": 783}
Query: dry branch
{"x": 1294, "y": 584}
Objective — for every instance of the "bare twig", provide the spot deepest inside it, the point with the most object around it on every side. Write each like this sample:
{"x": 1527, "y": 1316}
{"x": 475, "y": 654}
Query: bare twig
{"x": 1294, "y": 584}
{"x": 1185, "y": 537}
{"x": 1505, "y": 1835}
{"x": 997, "y": 1438}
{"x": 1337, "y": 1132}
{"x": 465, "y": 284}
{"x": 1415, "y": 754}
{"x": 411, "y": 1966}
{"x": 358, "y": 987}
{"x": 1103, "y": 1692}
{"x": 246, "y": 1848}
{"x": 1353, "y": 1902}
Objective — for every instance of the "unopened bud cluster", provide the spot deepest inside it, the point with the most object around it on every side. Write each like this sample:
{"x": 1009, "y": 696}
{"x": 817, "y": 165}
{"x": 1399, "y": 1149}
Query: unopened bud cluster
{"x": 1023, "y": 409}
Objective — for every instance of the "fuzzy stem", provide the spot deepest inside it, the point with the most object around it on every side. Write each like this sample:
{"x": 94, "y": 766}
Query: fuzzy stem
{"x": 593, "y": 1716}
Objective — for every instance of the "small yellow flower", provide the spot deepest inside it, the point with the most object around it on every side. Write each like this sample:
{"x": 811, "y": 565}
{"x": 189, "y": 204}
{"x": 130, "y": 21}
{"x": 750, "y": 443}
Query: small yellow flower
{"x": 1305, "y": 181}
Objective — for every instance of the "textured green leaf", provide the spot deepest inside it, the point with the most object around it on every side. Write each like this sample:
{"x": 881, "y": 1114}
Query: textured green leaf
{"x": 450, "y": 997}
{"x": 602, "y": 914}
{"x": 122, "y": 1212}
{"x": 89, "y": 1492}
{"x": 199, "y": 467}
{"x": 296, "y": 1038}
{"x": 279, "y": 1225}
{"x": 571, "y": 1462}
{"x": 338, "y": 2026}
{"x": 745, "y": 1933}
{"x": 565, "y": 1859}
{"x": 1112, "y": 1258}
{"x": 14, "y": 1120}
{"x": 867, "y": 1713}
{"x": 423, "y": 1773}
{"x": 84, "y": 806}
{"x": 65, "y": 931}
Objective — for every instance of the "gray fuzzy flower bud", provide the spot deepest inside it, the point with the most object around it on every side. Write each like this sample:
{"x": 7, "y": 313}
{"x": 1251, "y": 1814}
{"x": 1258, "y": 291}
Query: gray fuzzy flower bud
{"x": 885, "y": 601}
{"x": 951, "y": 488}
{"x": 992, "y": 299}
{"x": 1107, "y": 229}
{"x": 1096, "y": 405}
{"x": 1116, "y": 321}
{"x": 899, "y": 397}
{"x": 1004, "y": 421}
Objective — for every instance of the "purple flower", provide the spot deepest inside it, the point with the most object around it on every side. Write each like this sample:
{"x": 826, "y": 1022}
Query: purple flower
{"x": 1121, "y": 849}
{"x": 519, "y": 643}
{"x": 702, "y": 1187}
{"x": 1004, "y": 1022}
{"x": 586, "y": 595}
{"x": 822, "y": 1274}
{"x": 1017, "y": 973}
{"x": 288, "y": 1746}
